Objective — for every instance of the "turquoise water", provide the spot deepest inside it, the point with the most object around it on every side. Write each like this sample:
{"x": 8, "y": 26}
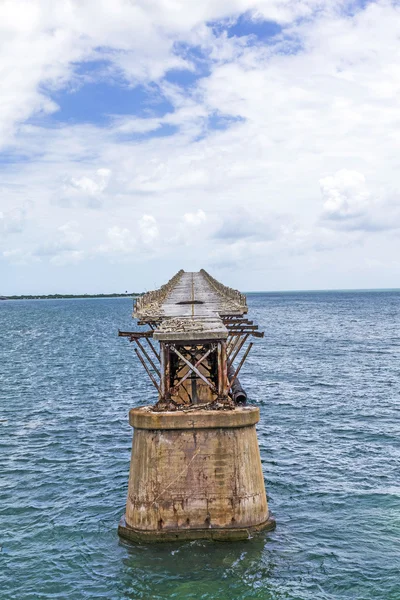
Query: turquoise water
{"x": 327, "y": 379}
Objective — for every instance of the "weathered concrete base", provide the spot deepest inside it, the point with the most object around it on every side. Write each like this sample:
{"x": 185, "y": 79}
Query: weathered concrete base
{"x": 219, "y": 535}
{"x": 195, "y": 475}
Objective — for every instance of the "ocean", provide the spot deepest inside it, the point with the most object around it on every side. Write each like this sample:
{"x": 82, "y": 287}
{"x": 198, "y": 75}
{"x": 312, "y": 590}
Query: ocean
{"x": 326, "y": 377}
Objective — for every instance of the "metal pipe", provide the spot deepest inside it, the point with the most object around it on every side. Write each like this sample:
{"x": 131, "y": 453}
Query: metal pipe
{"x": 237, "y": 392}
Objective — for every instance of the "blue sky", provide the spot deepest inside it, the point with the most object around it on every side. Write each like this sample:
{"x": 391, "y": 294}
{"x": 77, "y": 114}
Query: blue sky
{"x": 98, "y": 95}
{"x": 257, "y": 139}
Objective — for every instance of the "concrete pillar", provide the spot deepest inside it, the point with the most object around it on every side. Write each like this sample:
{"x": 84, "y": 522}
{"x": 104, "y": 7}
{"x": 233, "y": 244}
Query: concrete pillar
{"x": 194, "y": 475}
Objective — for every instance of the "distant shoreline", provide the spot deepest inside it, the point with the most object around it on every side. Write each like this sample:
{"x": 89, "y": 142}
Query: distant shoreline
{"x": 69, "y": 296}
{"x": 138, "y": 294}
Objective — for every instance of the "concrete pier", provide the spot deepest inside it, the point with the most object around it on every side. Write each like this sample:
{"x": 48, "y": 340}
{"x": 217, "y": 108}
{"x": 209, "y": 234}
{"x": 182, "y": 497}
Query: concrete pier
{"x": 195, "y": 475}
{"x": 195, "y": 467}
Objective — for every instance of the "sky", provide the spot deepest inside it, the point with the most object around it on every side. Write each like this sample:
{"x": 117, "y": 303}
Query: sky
{"x": 258, "y": 139}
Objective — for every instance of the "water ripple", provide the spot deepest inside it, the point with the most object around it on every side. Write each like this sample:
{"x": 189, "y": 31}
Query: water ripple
{"x": 327, "y": 380}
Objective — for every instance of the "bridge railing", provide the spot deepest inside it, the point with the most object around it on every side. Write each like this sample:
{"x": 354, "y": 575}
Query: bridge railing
{"x": 230, "y": 293}
{"x": 156, "y": 296}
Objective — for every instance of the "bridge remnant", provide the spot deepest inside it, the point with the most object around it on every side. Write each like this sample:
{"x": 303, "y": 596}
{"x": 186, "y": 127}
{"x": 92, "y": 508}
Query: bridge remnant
{"x": 201, "y": 327}
{"x": 195, "y": 467}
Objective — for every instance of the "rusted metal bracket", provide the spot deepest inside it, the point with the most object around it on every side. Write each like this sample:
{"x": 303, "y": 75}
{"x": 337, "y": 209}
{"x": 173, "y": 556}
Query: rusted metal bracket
{"x": 133, "y": 335}
{"x": 259, "y": 334}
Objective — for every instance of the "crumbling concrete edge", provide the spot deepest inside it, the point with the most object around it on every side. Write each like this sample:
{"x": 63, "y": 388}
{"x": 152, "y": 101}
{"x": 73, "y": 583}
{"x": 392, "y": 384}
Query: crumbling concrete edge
{"x": 174, "y": 535}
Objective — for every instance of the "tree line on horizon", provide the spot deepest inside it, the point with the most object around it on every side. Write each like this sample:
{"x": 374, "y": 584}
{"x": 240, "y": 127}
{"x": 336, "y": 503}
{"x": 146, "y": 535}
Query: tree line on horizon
{"x": 67, "y": 296}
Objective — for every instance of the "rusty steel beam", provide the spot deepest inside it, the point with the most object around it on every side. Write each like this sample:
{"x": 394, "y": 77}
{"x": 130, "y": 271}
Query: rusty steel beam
{"x": 243, "y": 341}
{"x": 258, "y": 334}
{"x": 233, "y": 341}
{"x": 149, "y": 373}
{"x": 135, "y": 334}
{"x": 148, "y": 357}
{"x": 242, "y": 326}
{"x": 240, "y": 365}
{"x": 153, "y": 349}
{"x": 222, "y": 370}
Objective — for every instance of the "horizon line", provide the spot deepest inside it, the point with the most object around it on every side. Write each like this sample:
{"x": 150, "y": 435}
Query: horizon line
{"x": 282, "y": 291}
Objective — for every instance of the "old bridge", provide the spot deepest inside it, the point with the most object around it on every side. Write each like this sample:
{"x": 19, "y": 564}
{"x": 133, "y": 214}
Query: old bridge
{"x": 203, "y": 334}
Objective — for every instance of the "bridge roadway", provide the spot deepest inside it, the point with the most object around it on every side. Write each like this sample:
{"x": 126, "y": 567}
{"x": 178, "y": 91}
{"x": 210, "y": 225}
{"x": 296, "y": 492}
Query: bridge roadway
{"x": 194, "y": 296}
{"x": 193, "y": 306}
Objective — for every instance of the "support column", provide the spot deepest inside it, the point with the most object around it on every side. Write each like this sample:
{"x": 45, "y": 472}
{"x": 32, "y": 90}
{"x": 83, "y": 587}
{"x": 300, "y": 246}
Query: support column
{"x": 165, "y": 367}
{"x": 195, "y": 475}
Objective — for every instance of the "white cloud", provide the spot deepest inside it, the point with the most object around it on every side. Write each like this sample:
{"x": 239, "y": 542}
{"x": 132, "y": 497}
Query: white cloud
{"x": 314, "y": 113}
{"x": 148, "y": 229}
{"x": 195, "y": 218}
{"x": 85, "y": 191}
{"x": 241, "y": 223}
{"x": 67, "y": 257}
{"x": 63, "y": 248}
{"x": 192, "y": 229}
{"x": 348, "y": 204}
{"x": 18, "y": 256}
{"x": 13, "y": 221}
{"x": 119, "y": 241}
{"x": 345, "y": 195}
{"x": 42, "y": 42}
{"x": 91, "y": 186}
{"x": 69, "y": 233}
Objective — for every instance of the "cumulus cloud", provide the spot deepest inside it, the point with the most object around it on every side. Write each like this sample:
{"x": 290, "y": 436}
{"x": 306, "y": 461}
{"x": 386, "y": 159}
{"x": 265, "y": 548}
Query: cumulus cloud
{"x": 67, "y": 257}
{"x": 18, "y": 256}
{"x": 244, "y": 224}
{"x": 287, "y": 129}
{"x": 85, "y": 191}
{"x": 196, "y": 218}
{"x": 120, "y": 241}
{"x": 345, "y": 195}
{"x": 192, "y": 229}
{"x": 43, "y": 42}
{"x": 13, "y": 221}
{"x": 148, "y": 229}
{"x": 70, "y": 234}
{"x": 349, "y": 204}
{"x": 64, "y": 248}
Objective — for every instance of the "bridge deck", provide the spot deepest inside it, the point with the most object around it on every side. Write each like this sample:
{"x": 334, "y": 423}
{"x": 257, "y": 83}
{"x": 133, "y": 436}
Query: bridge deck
{"x": 190, "y": 304}
{"x": 194, "y": 296}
